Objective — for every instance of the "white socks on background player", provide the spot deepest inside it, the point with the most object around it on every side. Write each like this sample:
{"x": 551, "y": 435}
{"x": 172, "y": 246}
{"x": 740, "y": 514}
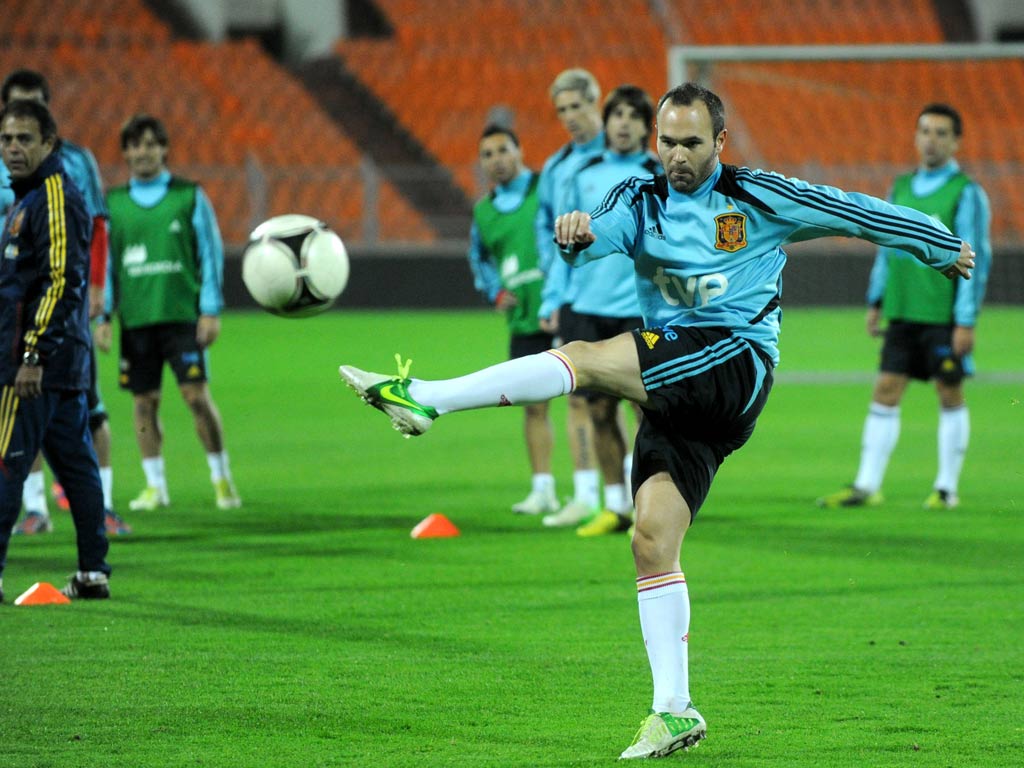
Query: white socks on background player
{"x": 882, "y": 430}
{"x": 219, "y": 466}
{"x": 954, "y": 434}
{"x": 531, "y": 379}
{"x": 155, "y": 477}
{"x": 33, "y": 494}
{"x": 665, "y": 622}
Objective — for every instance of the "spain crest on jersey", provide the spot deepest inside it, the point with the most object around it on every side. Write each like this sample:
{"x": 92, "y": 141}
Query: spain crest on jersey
{"x": 730, "y": 231}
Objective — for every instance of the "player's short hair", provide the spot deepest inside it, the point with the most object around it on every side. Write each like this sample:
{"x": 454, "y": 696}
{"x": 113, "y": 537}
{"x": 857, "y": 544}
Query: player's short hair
{"x": 493, "y": 129}
{"x": 576, "y": 80}
{"x": 27, "y": 80}
{"x": 132, "y": 130}
{"x": 32, "y": 109}
{"x": 938, "y": 108}
{"x": 633, "y": 96}
{"x": 684, "y": 95}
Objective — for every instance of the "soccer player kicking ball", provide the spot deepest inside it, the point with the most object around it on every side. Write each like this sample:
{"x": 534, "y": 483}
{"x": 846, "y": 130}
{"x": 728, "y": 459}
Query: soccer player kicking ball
{"x": 706, "y": 244}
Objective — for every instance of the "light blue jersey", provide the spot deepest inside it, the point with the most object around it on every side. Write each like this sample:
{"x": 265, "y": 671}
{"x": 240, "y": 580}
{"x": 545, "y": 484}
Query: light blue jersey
{"x": 80, "y": 166}
{"x": 605, "y": 287}
{"x": 971, "y": 224}
{"x": 209, "y": 246}
{"x": 714, "y": 258}
{"x": 555, "y": 187}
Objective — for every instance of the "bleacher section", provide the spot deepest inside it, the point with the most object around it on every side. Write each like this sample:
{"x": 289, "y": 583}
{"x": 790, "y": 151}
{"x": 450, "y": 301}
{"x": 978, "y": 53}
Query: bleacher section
{"x": 238, "y": 122}
{"x": 452, "y": 61}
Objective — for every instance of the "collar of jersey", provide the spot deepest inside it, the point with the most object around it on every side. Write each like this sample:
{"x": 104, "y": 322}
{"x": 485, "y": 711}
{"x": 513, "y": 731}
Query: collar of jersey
{"x": 701, "y": 191}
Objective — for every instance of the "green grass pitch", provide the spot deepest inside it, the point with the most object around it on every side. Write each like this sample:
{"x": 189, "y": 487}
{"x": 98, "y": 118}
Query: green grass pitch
{"x": 308, "y": 629}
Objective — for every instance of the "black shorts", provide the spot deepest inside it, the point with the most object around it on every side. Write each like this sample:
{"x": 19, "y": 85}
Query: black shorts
{"x": 529, "y": 344}
{"x": 584, "y": 327}
{"x": 923, "y": 351}
{"x": 705, "y": 390}
{"x": 145, "y": 350}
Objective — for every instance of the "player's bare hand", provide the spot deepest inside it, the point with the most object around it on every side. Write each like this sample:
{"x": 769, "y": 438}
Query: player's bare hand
{"x": 207, "y": 330}
{"x": 873, "y": 321}
{"x": 28, "y": 381}
{"x": 96, "y": 301}
{"x": 963, "y": 265}
{"x": 574, "y": 229}
{"x": 963, "y": 340}
{"x": 550, "y": 324}
{"x": 505, "y": 300}
{"x": 102, "y": 335}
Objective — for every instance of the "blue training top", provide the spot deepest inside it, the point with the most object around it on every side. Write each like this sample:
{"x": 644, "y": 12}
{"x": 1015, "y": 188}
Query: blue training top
{"x": 713, "y": 257}
{"x": 604, "y": 287}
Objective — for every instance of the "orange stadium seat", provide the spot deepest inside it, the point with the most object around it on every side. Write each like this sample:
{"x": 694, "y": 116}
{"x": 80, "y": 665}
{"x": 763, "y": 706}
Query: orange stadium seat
{"x": 233, "y": 114}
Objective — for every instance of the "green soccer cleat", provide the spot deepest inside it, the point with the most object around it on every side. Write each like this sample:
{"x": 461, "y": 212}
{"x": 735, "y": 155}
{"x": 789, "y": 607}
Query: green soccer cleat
{"x": 605, "y": 523}
{"x": 149, "y": 499}
{"x": 939, "y": 500}
{"x": 662, "y": 733}
{"x": 227, "y": 496}
{"x": 390, "y": 394}
{"x": 850, "y": 496}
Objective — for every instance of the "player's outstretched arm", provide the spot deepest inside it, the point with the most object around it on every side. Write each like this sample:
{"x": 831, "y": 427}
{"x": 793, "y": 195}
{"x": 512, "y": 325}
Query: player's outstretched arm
{"x": 573, "y": 229}
{"x": 963, "y": 265}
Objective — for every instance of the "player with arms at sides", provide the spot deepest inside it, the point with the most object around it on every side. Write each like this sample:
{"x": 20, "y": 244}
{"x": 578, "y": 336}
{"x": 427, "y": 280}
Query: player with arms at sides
{"x": 84, "y": 173}
{"x": 166, "y": 273}
{"x": 44, "y": 331}
{"x": 504, "y": 260}
{"x": 705, "y": 241}
{"x": 930, "y": 321}
{"x": 575, "y": 95}
{"x": 604, "y": 302}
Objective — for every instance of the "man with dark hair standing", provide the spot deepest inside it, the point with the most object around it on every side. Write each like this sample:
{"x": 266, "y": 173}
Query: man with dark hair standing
{"x": 83, "y": 172}
{"x": 166, "y": 274}
{"x": 506, "y": 270}
{"x": 44, "y": 328}
{"x": 930, "y": 321}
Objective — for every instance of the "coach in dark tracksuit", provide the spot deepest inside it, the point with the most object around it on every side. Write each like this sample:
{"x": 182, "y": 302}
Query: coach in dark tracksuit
{"x": 44, "y": 340}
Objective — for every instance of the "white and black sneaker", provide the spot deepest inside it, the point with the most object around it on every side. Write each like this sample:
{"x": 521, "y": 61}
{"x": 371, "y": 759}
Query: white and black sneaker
{"x": 87, "y": 585}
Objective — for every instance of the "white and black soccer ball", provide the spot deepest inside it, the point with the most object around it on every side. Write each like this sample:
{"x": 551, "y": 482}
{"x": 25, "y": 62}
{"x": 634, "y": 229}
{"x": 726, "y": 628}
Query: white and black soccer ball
{"x": 295, "y": 265}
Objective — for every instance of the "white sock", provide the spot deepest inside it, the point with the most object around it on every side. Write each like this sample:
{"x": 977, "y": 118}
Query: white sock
{"x": 665, "y": 623}
{"x": 587, "y": 488}
{"x": 954, "y": 434}
{"x": 33, "y": 493}
{"x": 544, "y": 483}
{"x": 615, "y": 498}
{"x": 107, "y": 481}
{"x": 154, "y": 469}
{"x": 881, "y": 431}
{"x": 531, "y": 379}
{"x": 216, "y": 463}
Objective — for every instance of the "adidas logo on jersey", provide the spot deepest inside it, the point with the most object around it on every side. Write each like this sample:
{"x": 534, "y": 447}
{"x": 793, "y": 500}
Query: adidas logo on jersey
{"x": 654, "y": 232}
{"x": 650, "y": 338}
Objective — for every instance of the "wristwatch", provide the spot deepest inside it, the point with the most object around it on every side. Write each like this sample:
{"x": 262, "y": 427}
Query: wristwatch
{"x": 30, "y": 358}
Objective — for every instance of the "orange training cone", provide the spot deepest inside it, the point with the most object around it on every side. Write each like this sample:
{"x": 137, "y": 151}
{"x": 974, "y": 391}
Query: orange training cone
{"x": 435, "y": 526}
{"x": 42, "y": 593}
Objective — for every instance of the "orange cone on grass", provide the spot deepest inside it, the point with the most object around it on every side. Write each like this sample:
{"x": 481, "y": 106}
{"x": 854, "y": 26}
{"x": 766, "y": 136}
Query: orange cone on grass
{"x": 435, "y": 526}
{"x": 42, "y": 593}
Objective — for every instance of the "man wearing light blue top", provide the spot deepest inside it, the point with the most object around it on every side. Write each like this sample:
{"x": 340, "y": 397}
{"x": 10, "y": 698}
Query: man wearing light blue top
{"x": 930, "y": 321}
{"x": 604, "y": 302}
{"x": 166, "y": 273}
{"x": 575, "y": 95}
{"x": 706, "y": 243}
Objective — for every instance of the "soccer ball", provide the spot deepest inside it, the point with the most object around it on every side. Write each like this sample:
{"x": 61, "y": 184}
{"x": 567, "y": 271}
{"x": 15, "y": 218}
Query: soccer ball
{"x": 295, "y": 265}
